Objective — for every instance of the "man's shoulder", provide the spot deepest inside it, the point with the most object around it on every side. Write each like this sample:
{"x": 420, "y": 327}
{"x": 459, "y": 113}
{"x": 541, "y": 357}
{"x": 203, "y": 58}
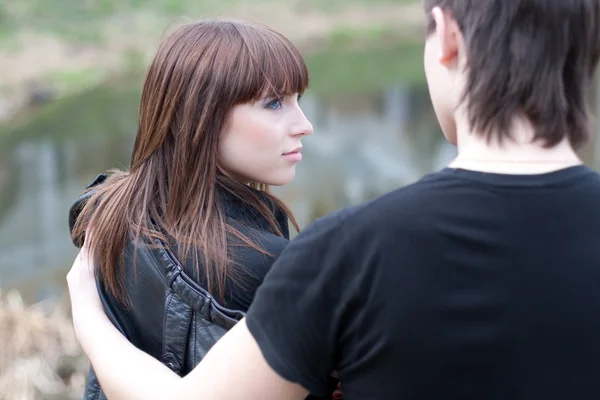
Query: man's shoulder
{"x": 402, "y": 205}
{"x": 401, "y": 200}
{"x": 406, "y": 199}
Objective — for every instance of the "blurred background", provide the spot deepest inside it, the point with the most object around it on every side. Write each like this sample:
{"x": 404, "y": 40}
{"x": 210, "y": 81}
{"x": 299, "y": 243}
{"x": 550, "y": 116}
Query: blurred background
{"x": 70, "y": 79}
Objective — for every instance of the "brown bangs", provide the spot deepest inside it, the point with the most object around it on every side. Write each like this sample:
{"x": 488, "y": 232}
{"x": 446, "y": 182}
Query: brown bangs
{"x": 269, "y": 65}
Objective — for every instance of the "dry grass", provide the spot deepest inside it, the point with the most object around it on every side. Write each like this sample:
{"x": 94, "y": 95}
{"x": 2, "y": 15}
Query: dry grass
{"x": 40, "y": 356}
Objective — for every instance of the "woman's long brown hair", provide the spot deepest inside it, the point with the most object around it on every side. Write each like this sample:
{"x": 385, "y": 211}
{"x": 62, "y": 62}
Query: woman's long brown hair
{"x": 200, "y": 72}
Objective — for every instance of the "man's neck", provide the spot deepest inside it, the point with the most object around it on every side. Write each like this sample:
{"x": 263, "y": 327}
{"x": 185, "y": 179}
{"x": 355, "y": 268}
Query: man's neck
{"x": 515, "y": 155}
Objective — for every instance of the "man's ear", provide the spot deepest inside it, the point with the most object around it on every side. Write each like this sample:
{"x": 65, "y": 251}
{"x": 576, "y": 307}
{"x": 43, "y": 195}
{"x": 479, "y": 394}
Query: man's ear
{"x": 449, "y": 35}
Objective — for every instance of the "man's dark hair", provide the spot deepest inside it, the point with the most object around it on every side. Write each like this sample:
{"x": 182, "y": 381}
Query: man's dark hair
{"x": 531, "y": 57}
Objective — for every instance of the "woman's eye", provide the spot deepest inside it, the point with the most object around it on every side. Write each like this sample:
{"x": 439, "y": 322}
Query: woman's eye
{"x": 275, "y": 104}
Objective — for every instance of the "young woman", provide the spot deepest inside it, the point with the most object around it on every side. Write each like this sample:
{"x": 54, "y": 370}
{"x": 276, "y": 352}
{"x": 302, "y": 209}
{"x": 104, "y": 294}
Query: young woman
{"x": 184, "y": 238}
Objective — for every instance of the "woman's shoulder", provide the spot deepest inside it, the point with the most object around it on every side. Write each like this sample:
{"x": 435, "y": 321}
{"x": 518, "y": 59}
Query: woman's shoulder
{"x": 256, "y": 209}
{"x": 79, "y": 204}
{"x": 255, "y": 259}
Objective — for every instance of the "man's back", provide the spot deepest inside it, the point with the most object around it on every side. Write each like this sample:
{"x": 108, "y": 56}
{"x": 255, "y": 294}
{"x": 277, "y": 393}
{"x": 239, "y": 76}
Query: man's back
{"x": 465, "y": 285}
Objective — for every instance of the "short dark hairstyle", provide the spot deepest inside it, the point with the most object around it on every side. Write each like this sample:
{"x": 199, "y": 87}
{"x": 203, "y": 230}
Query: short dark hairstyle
{"x": 536, "y": 58}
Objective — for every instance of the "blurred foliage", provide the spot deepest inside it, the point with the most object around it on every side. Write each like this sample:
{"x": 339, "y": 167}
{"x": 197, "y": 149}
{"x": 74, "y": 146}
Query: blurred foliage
{"x": 85, "y": 20}
{"x": 112, "y": 105}
{"x": 345, "y": 67}
{"x": 108, "y": 108}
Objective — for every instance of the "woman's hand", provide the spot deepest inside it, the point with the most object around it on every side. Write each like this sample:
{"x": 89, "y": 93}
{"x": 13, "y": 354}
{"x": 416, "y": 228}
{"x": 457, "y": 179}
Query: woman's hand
{"x": 85, "y": 300}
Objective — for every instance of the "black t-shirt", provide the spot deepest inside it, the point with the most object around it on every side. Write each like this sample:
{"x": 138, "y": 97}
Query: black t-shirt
{"x": 464, "y": 285}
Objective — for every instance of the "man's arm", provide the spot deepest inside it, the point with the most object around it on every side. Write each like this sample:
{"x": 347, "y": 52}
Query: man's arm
{"x": 298, "y": 312}
{"x": 233, "y": 369}
{"x": 236, "y": 369}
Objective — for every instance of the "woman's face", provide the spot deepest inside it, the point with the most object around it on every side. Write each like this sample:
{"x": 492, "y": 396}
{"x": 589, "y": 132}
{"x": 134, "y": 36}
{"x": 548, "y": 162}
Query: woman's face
{"x": 263, "y": 140}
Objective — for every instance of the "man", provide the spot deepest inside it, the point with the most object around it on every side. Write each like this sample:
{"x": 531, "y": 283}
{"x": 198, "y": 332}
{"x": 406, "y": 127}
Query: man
{"x": 481, "y": 281}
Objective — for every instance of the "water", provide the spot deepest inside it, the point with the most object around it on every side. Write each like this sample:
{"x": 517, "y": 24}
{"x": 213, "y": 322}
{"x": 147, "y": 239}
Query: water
{"x": 368, "y": 139}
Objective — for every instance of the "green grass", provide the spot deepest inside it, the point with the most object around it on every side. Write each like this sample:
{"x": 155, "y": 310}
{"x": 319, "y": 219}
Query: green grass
{"x": 86, "y": 20}
{"x": 369, "y": 68}
{"x": 71, "y": 80}
{"x": 86, "y": 23}
{"x": 111, "y": 106}
{"x": 351, "y": 60}
{"x": 336, "y": 5}
{"x": 107, "y": 109}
